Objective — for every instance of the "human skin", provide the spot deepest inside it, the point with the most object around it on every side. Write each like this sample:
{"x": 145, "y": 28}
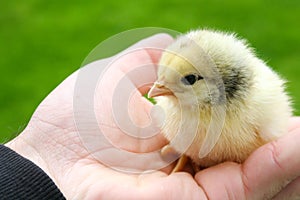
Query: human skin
{"x": 51, "y": 140}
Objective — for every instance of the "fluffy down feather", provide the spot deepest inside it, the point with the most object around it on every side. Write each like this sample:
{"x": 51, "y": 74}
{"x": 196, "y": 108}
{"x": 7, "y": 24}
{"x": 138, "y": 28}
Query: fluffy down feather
{"x": 230, "y": 105}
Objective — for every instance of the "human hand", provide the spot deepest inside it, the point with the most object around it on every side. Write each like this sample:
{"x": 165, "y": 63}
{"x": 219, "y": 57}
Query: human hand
{"x": 53, "y": 142}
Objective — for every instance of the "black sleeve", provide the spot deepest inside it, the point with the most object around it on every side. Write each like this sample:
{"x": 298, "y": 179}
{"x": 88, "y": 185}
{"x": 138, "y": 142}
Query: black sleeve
{"x": 22, "y": 179}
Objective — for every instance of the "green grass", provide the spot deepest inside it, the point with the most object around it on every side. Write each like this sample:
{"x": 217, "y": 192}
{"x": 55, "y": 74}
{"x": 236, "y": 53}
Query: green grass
{"x": 42, "y": 42}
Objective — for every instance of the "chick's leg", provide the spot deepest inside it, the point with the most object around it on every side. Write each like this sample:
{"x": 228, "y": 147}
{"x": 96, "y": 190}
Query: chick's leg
{"x": 169, "y": 154}
{"x": 180, "y": 164}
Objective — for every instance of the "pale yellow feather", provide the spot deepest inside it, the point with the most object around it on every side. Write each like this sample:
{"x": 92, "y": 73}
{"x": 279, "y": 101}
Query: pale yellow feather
{"x": 257, "y": 114}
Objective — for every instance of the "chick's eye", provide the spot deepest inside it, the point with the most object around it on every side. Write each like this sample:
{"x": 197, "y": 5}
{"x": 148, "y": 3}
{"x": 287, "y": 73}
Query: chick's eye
{"x": 190, "y": 79}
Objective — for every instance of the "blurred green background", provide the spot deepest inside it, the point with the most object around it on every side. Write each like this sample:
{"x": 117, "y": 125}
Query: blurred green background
{"x": 42, "y": 42}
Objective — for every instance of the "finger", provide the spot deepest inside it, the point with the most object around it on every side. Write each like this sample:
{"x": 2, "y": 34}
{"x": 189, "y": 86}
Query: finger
{"x": 222, "y": 181}
{"x": 269, "y": 169}
{"x": 175, "y": 186}
{"x": 131, "y": 71}
{"x": 291, "y": 191}
{"x": 265, "y": 173}
{"x": 123, "y": 116}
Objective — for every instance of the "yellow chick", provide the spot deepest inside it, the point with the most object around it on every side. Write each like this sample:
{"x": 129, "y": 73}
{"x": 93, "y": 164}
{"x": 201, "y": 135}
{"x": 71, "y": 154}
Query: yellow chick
{"x": 220, "y": 101}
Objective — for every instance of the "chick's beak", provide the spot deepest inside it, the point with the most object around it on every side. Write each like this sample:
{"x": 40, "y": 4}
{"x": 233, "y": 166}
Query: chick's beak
{"x": 159, "y": 90}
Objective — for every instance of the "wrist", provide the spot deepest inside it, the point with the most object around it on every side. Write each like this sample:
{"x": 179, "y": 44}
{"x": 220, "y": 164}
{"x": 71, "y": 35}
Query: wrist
{"x": 26, "y": 148}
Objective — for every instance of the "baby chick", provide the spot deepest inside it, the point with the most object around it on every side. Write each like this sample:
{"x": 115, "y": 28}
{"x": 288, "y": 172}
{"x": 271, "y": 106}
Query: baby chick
{"x": 220, "y": 101}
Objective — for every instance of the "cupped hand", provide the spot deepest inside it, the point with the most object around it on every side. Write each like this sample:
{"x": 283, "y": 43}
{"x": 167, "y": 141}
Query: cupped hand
{"x": 61, "y": 140}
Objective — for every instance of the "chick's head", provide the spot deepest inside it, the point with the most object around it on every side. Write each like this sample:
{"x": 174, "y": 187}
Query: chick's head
{"x": 178, "y": 77}
{"x": 205, "y": 68}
